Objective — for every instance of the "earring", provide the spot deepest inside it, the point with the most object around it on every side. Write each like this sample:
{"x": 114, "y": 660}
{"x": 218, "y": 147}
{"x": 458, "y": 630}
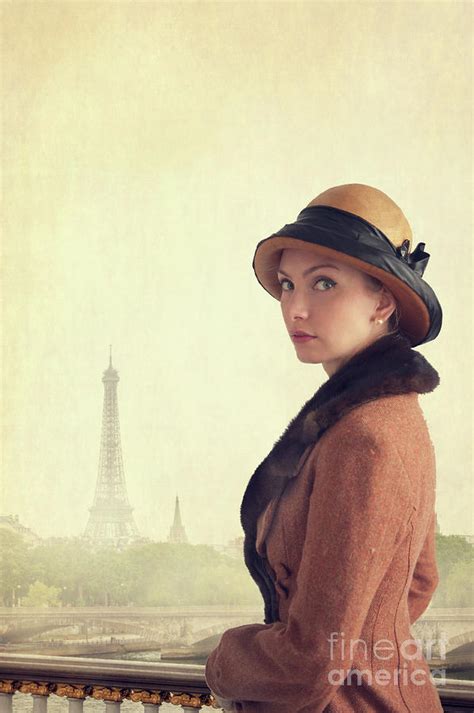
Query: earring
{"x": 379, "y": 321}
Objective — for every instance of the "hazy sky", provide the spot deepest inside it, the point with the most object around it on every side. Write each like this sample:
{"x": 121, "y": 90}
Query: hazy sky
{"x": 147, "y": 148}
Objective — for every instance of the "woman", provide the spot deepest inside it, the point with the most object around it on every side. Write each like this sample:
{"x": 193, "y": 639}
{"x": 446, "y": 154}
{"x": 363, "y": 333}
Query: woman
{"x": 339, "y": 518}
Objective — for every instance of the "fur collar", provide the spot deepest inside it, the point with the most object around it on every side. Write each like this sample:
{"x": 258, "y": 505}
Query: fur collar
{"x": 387, "y": 366}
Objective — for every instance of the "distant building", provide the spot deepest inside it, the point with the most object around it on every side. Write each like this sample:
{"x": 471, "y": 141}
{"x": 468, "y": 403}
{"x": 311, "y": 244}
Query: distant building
{"x": 177, "y": 532}
{"x": 12, "y": 523}
{"x": 235, "y": 547}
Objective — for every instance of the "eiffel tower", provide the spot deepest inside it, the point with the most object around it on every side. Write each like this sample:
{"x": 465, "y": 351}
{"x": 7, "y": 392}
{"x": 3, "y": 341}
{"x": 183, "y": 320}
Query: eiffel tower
{"x": 111, "y": 521}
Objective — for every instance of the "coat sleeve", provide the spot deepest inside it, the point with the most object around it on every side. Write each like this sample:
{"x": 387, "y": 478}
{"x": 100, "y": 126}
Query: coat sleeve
{"x": 358, "y": 508}
{"x": 425, "y": 576}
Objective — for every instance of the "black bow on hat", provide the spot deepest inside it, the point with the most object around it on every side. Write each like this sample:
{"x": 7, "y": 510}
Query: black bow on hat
{"x": 417, "y": 259}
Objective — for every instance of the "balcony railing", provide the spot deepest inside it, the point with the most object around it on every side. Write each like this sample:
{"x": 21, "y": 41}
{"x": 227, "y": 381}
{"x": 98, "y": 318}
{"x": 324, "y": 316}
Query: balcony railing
{"x": 152, "y": 684}
{"x": 111, "y": 681}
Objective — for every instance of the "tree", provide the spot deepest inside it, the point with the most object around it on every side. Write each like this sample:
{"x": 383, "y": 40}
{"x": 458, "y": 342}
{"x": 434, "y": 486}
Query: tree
{"x": 15, "y": 574}
{"x": 460, "y": 585}
{"x": 454, "y": 556}
{"x": 40, "y": 595}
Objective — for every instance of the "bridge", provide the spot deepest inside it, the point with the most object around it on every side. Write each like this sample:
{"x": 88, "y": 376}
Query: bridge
{"x": 445, "y": 635}
{"x": 189, "y": 632}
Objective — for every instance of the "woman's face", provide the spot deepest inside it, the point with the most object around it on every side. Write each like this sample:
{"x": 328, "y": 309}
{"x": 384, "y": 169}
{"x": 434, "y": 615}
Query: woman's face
{"x": 333, "y": 303}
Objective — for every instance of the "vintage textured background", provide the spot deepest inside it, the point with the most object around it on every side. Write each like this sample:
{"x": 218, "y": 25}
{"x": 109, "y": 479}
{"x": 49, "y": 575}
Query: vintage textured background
{"x": 147, "y": 147}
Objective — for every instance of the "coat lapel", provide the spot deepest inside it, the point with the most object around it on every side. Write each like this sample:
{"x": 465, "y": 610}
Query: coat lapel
{"x": 387, "y": 366}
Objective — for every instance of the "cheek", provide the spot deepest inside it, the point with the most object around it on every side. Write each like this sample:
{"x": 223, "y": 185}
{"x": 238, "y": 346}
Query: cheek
{"x": 354, "y": 309}
{"x": 346, "y": 304}
{"x": 357, "y": 308}
{"x": 284, "y": 307}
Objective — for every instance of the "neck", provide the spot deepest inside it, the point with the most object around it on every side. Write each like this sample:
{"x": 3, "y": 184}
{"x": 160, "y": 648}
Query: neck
{"x": 331, "y": 367}
{"x": 389, "y": 338}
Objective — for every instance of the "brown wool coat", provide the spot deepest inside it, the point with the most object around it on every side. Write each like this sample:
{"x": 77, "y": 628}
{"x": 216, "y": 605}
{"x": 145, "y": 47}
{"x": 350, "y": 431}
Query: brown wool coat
{"x": 340, "y": 537}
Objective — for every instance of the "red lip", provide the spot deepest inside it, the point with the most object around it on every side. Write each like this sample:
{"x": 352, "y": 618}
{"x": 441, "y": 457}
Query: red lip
{"x": 301, "y": 337}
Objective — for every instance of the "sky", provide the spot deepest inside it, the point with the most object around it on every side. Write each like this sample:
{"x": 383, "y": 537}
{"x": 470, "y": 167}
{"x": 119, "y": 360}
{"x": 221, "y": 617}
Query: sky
{"x": 146, "y": 149}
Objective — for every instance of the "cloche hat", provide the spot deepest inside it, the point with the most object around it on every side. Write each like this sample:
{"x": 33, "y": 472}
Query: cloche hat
{"x": 364, "y": 228}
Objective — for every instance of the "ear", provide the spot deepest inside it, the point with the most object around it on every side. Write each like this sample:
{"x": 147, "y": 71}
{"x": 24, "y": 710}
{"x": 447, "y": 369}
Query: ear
{"x": 386, "y": 305}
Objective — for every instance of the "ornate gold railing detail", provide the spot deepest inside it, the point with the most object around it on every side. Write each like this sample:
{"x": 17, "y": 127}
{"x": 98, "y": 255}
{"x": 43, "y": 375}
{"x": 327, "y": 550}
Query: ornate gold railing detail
{"x": 66, "y": 690}
{"x": 111, "y": 681}
{"x": 102, "y": 693}
{"x": 114, "y": 681}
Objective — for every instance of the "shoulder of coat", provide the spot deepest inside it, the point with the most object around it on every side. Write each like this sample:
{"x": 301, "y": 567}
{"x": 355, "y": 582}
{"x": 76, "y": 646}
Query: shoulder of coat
{"x": 381, "y": 419}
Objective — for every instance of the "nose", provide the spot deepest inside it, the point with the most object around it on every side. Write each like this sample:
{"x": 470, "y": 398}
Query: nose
{"x": 296, "y": 306}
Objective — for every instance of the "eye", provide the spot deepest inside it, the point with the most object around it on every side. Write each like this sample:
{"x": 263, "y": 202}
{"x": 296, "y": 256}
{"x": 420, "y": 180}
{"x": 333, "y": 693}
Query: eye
{"x": 324, "y": 279}
{"x": 282, "y": 281}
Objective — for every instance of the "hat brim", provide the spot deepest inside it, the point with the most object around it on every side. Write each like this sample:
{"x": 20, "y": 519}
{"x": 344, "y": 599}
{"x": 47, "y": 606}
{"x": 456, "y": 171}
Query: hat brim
{"x": 415, "y": 318}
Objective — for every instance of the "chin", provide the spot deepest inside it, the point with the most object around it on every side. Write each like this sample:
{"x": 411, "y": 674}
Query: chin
{"x": 306, "y": 359}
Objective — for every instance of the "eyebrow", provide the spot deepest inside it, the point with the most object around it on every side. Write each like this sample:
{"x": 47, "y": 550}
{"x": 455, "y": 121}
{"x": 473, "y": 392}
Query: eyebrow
{"x": 311, "y": 269}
